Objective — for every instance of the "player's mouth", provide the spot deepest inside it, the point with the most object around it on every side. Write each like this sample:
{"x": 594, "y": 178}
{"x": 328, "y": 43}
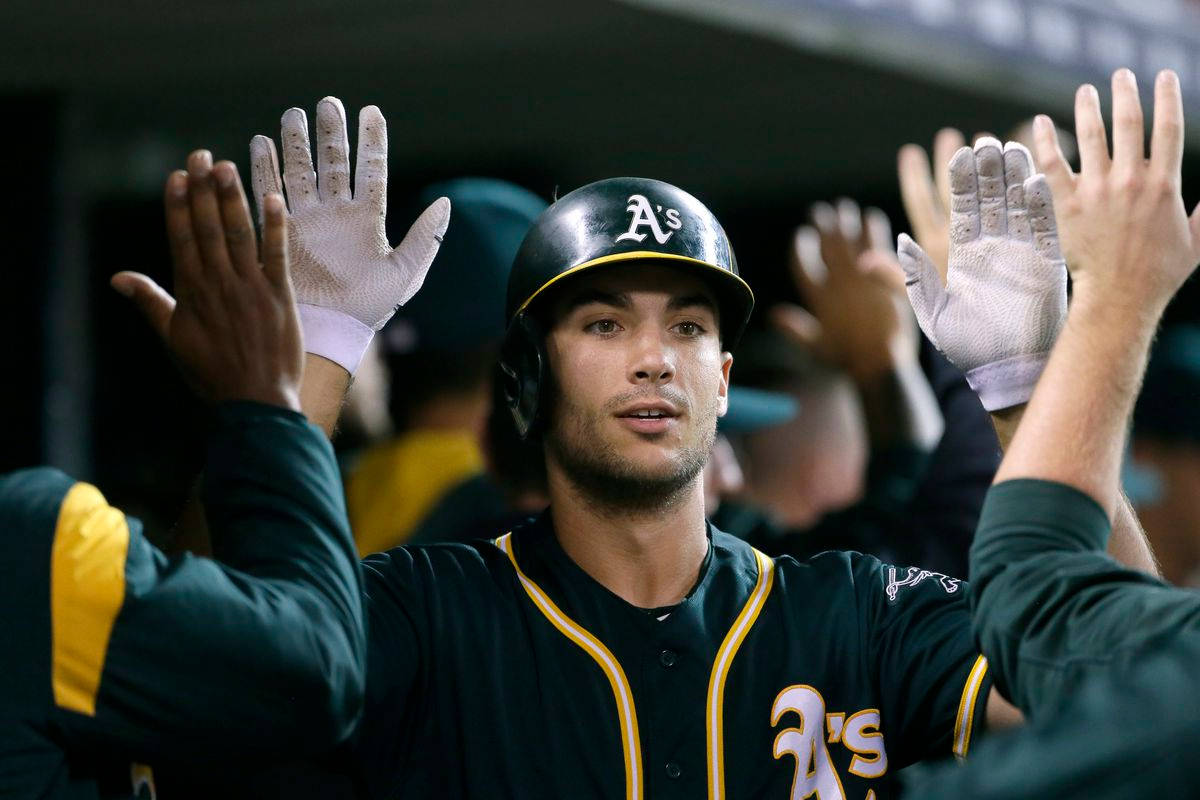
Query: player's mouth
{"x": 656, "y": 417}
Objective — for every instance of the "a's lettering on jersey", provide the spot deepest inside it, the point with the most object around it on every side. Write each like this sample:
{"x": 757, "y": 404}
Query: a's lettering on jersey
{"x": 914, "y": 576}
{"x": 813, "y": 730}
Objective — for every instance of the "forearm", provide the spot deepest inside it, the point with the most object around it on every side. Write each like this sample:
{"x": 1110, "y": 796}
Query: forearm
{"x": 900, "y": 408}
{"x": 323, "y": 392}
{"x": 1128, "y": 543}
{"x": 1073, "y": 431}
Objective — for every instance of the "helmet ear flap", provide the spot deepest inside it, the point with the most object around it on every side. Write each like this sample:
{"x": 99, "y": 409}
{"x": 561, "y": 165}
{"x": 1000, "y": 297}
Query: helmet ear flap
{"x": 522, "y": 366}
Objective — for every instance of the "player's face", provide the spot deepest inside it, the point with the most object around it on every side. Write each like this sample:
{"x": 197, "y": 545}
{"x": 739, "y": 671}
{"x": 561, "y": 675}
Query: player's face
{"x": 641, "y": 379}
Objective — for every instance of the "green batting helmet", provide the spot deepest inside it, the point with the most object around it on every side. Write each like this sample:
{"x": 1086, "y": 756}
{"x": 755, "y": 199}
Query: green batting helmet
{"x": 606, "y": 223}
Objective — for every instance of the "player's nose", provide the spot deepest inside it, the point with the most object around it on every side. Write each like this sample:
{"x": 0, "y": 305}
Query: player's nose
{"x": 652, "y": 361}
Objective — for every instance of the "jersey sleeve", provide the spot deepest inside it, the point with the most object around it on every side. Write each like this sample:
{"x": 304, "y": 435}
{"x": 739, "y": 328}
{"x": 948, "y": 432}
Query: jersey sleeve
{"x": 261, "y": 651}
{"x": 931, "y": 680}
{"x": 1052, "y": 609}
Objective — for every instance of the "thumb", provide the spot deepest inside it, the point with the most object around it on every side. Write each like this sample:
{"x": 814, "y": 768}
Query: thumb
{"x": 924, "y": 284}
{"x": 414, "y": 255}
{"x": 882, "y": 267}
{"x": 151, "y": 299}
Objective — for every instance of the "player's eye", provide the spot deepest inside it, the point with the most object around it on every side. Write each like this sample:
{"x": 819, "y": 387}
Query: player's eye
{"x": 689, "y": 328}
{"x": 602, "y": 326}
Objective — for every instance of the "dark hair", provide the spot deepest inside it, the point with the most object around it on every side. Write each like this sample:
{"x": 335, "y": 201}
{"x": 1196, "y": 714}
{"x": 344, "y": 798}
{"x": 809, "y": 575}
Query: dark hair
{"x": 421, "y": 378}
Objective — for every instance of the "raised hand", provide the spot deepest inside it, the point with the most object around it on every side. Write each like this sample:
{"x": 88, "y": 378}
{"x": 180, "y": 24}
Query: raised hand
{"x": 232, "y": 326}
{"x": 1125, "y": 232}
{"x": 844, "y": 268}
{"x": 1004, "y": 298}
{"x": 349, "y": 280}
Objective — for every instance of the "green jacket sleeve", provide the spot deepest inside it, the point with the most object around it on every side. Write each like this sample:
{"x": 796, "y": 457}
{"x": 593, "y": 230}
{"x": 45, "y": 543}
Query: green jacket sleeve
{"x": 260, "y": 651}
{"x": 1051, "y": 609}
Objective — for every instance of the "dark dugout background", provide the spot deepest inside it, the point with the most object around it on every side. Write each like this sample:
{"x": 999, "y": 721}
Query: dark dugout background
{"x": 758, "y": 107}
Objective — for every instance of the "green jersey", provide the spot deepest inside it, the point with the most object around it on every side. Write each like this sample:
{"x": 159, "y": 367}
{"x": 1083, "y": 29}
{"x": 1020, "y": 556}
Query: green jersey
{"x": 1101, "y": 658}
{"x": 114, "y": 653}
{"x": 502, "y": 670}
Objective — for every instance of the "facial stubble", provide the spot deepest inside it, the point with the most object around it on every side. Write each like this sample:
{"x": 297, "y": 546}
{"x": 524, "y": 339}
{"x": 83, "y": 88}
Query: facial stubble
{"x": 606, "y": 479}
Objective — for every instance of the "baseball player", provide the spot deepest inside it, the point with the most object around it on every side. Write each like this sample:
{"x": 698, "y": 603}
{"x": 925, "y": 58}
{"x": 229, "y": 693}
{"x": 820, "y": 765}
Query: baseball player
{"x": 1102, "y": 658}
{"x": 618, "y": 645}
{"x": 111, "y": 651}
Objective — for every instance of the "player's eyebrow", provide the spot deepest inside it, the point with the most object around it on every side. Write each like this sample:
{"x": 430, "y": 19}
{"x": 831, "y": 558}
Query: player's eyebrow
{"x": 589, "y": 296}
{"x": 692, "y": 301}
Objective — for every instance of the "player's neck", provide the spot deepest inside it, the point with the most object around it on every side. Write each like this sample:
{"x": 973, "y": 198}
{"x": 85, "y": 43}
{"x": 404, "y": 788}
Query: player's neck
{"x": 649, "y": 559}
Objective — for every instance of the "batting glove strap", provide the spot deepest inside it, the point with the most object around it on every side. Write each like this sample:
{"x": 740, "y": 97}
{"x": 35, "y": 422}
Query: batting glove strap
{"x": 1009, "y": 382}
{"x": 334, "y": 335}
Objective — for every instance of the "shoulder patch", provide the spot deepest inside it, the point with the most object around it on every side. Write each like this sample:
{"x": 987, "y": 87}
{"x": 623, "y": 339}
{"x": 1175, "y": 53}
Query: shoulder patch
{"x": 914, "y": 576}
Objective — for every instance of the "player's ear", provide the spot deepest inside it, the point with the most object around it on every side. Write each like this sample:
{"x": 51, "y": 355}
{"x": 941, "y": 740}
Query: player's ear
{"x": 723, "y": 389}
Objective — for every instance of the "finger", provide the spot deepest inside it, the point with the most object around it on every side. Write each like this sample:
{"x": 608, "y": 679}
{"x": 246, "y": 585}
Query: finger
{"x": 1129, "y": 126}
{"x": 917, "y": 191}
{"x": 1041, "y": 217}
{"x": 964, "y": 197}
{"x": 235, "y": 216}
{"x": 1050, "y": 157}
{"x": 264, "y": 171}
{"x": 185, "y": 254}
{"x": 835, "y": 250}
{"x": 945, "y": 145}
{"x": 370, "y": 168}
{"x": 1166, "y": 139}
{"x": 333, "y": 152}
{"x": 152, "y": 300}
{"x": 989, "y": 171}
{"x": 1089, "y": 130}
{"x": 799, "y": 327}
{"x": 1018, "y": 166}
{"x": 207, "y": 226}
{"x": 878, "y": 231}
{"x": 850, "y": 224}
{"x": 883, "y": 268}
{"x": 298, "y": 175}
{"x": 274, "y": 242}
{"x": 416, "y": 252}
{"x": 807, "y": 266}
{"x": 925, "y": 291}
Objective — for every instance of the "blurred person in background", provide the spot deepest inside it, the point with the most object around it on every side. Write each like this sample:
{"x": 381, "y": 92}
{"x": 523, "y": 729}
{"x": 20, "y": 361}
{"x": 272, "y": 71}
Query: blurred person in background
{"x": 439, "y": 352}
{"x": 114, "y": 653}
{"x": 1163, "y": 472}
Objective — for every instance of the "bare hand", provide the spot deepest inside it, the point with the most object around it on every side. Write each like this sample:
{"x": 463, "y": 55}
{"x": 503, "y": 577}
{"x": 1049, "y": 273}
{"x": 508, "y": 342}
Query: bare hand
{"x": 232, "y": 326}
{"x": 1124, "y": 231}
{"x": 845, "y": 270}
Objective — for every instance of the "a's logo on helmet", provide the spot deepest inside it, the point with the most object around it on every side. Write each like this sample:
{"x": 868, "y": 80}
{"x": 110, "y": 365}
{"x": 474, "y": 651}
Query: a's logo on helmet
{"x": 644, "y": 215}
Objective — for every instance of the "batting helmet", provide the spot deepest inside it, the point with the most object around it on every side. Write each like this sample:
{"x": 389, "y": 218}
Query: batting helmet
{"x": 606, "y": 223}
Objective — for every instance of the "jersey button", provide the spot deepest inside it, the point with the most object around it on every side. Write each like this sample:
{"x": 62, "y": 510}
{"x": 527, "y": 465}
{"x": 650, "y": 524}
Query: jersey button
{"x": 673, "y": 770}
{"x": 668, "y": 658}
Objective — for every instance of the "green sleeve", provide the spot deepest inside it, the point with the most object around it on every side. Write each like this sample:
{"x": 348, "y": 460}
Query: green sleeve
{"x": 260, "y": 651}
{"x": 931, "y": 681}
{"x": 1050, "y": 608}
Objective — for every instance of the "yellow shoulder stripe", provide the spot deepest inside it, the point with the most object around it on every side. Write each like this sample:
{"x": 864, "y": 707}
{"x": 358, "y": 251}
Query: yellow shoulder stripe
{"x": 964, "y": 722}
{"x": 87, "y": 588}
{"x": 714, "y": 719}
{"x": 631, "y": 745}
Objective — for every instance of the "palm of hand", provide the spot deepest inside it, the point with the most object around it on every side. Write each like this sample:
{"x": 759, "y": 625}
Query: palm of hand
{"x": 1000, "y": 287}
{"x": 865, "y": 322}
{"x": 340, "y": 253}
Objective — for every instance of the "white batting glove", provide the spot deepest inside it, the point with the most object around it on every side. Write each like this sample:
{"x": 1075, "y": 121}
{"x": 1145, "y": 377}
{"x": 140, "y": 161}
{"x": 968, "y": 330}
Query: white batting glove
{"x": 1005, "y": 296}
{"x": 348, "y": 279}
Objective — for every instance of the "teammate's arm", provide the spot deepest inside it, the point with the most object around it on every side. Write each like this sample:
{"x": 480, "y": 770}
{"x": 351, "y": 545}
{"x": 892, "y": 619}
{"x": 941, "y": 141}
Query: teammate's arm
{"x": 265, "y": 652}
{"x": 857, "y": 321}
{"x": 1130, "y": 245}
